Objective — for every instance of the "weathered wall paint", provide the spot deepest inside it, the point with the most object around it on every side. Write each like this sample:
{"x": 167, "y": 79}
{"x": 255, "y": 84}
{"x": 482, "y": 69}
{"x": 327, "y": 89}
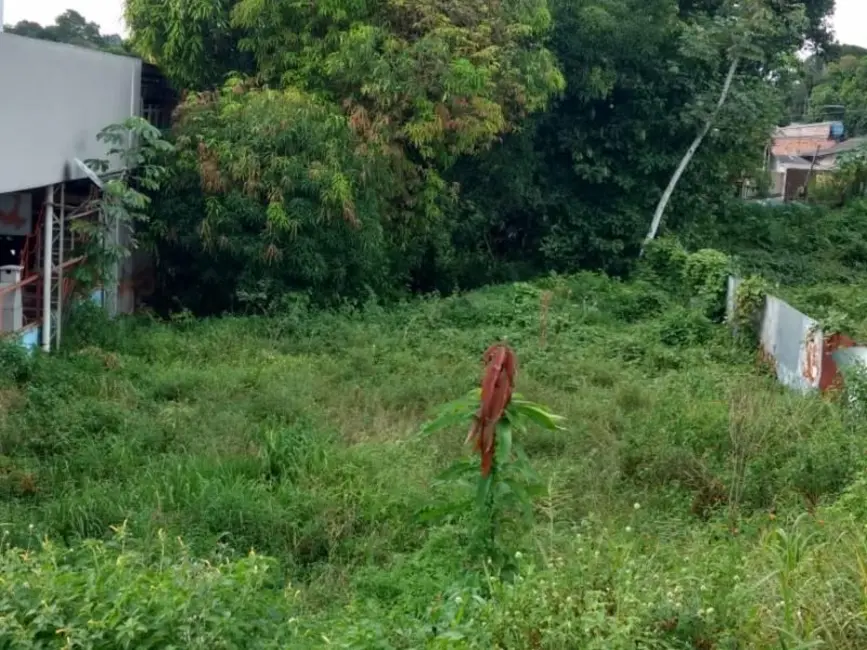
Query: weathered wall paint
{"x": 30, "y": 337}
{"x": 794, "y": 341}
{"x": 56, "y": 99}
{"x": 831, "y": 377}
{"x": 801, "y": 354}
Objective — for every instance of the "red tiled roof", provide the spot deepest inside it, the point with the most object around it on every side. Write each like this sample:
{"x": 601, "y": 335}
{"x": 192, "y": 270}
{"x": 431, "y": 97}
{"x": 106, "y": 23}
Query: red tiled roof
{"x": 804, "y": 146}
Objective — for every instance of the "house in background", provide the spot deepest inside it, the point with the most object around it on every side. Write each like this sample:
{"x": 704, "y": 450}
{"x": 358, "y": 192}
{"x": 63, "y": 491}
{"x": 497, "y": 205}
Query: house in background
{"x": 829, "y": 156}
{"x": 56, "y": 100}
{"x": 792, "y": 156}
{"x": 801, "y": 139}
{"x": 800, "y": 152}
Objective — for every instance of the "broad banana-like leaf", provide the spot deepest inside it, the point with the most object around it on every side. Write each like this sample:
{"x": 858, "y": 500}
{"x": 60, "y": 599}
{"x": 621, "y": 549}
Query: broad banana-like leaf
{"x": 537, "y": 414}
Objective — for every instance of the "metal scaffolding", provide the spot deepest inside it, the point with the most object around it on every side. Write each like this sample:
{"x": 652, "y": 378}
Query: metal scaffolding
{"x": 59, "y": 252}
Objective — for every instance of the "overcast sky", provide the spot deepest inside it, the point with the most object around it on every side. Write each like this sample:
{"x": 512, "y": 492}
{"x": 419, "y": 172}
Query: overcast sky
{"x": 850, "y": 21}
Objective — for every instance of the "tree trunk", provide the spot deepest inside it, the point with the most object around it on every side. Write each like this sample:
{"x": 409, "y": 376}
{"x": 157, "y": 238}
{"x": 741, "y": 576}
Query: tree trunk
{"x": 672, "y": 184}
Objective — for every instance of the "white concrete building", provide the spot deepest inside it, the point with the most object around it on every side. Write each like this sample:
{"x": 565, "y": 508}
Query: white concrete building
{"x": 56, "y": 100}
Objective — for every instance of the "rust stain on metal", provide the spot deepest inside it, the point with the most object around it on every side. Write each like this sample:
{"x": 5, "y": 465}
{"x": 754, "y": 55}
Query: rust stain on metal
{"x": 831, "y": 379}
{"x": 812, "y": 359}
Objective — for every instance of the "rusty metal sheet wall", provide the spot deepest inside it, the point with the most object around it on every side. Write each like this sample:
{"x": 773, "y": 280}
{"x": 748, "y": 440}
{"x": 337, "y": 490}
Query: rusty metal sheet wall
{"x": 794, "y": 341}
{"x": 791, "y": 339}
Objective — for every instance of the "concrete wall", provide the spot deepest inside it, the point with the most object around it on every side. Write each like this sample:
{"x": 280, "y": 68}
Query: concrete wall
{"x": 56, "y": 98}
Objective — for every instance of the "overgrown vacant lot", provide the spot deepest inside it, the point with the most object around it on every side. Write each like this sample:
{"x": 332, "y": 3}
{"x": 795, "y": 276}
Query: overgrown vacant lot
{"x": 688, "y": 503}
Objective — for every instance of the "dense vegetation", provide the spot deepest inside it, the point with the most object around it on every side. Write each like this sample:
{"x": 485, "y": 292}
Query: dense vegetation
{"x": 833, "y": 86}
{"x": 265, "y": 480}
{"x": 349, "y": 149}
{"x": 669, "y": 513}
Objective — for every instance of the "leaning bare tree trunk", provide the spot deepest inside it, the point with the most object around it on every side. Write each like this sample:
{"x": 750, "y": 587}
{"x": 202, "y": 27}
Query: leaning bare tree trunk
{"x": 666, "y": 196}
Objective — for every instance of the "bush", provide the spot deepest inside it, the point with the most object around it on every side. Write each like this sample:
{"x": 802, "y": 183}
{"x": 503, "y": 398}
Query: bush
{"x": 16, "y": 363}
{"x": 664, "y": 262}
{"x": 681, "y": 327}
{"x": 791, "y": 244}
{"x": 705, "y": 275}
{"x": 109, "y": 595}
{"x": 88, "y": 324}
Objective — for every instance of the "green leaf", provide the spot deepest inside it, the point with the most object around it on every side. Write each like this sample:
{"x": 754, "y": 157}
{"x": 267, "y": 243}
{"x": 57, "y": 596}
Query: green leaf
{"x": 437, "y": 513}
{"x": 504, "y": 443}
{"x": 538, "y": 414}
{"x": 483, "y": 489}
{"x": 457, "y": 470}
{"x": 445, "y": 421}
{"x": 452, "y": 413}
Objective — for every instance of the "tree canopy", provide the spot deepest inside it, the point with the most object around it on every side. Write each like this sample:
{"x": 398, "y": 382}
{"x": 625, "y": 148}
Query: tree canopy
{"x": 72, "y": 28}
{"x": 841, "y": 91}
{"x": 354, "y": 145}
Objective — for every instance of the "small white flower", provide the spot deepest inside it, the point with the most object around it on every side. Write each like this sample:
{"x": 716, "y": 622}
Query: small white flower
{"x": 518, "y": 555}
{"x": 629, "y": 529}
{"x": 637, "y": 506}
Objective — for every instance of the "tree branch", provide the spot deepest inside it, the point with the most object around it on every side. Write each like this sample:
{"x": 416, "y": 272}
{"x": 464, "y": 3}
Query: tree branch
{"x": 666, "y": 196}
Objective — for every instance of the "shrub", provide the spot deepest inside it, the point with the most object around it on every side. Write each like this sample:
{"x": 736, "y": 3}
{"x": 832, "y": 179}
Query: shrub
{"x": 664, "y": 262}
{"x": 109, "y": 595}
{"x": 705, "y": 277}
{"x": 16, "y": 363}
{"x": 636, "y": 302}
{"x": 681, "y": 327}
{"x": 88, "y": 324}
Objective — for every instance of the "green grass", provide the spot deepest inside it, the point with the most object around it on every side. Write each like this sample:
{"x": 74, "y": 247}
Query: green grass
{"x": 690, "y": 502}
{"x": 838, "y": 307}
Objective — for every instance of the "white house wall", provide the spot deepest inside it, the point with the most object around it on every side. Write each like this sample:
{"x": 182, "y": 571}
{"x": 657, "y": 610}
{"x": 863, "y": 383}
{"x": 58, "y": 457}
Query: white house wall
{"x": 55, "y": 99}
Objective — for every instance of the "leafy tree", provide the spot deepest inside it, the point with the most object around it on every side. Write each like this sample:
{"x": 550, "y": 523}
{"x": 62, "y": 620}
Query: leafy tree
{"x": 27, "y": 28}
{"x": 579, "y": 184}
{"x": 408, "y": 87}
{"x": 442, "y": 77}
{"x": 748, "y": 31}
{"x": 72, "y": 28}
{"x": 797, "y": 82}
{"x": 268, "y": 195}
{"x": 458, "y": 166}
{"x": 838, "y": 51}
{"x": 193, "y": 41}
{"x": 844, "y": 84}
